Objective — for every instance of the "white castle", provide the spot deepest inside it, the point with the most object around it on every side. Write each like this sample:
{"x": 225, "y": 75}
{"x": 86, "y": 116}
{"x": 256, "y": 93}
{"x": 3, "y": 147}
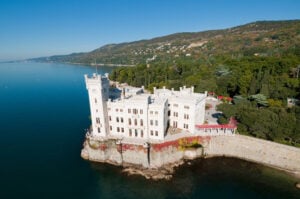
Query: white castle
{"x": 130, "y": 112}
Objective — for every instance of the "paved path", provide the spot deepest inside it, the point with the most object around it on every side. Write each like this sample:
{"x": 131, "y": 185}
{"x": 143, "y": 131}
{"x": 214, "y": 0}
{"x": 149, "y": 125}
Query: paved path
{"x": 211, "y": 115}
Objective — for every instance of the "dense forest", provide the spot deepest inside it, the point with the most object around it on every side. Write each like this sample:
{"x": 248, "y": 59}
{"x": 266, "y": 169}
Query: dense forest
{"x": 256, "y": 64}
{"x": 259, "y": 86}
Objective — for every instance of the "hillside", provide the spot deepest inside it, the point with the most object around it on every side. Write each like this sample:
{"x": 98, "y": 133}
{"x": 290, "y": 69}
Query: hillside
{"x": 262, "y": 38}
{"x": 257, "y": 65}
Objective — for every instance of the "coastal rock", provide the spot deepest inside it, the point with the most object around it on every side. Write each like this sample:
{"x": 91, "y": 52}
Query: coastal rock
{"x": 84, "y": 154}
{"x": 154, "y": 174}
{"x": 298, "y": 185}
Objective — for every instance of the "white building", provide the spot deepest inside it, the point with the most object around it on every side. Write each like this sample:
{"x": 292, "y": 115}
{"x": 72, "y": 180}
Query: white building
{"x": 129, "y": 112}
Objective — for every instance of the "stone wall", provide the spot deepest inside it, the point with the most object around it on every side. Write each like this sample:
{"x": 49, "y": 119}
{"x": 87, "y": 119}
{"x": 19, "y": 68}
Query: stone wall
{"x": 160, "y": 155}
{"x": 256, "y": 150}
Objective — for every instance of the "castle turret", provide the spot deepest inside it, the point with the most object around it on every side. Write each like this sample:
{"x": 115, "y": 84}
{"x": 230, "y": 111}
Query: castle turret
{"x": 98, "y": 90}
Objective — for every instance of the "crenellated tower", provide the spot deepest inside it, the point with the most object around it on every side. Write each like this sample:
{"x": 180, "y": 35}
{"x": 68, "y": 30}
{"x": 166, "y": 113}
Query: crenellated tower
{"x": 98, "y": 90}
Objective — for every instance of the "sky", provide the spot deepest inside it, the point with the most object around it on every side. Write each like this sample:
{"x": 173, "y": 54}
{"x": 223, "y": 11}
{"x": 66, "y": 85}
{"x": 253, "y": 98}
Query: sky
{"x": 35, "y": 28}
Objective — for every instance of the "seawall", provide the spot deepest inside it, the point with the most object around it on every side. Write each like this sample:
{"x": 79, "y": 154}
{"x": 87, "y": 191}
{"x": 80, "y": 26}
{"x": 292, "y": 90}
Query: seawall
{"x": 256, "y": 150}
{"x": 157, "y": 160}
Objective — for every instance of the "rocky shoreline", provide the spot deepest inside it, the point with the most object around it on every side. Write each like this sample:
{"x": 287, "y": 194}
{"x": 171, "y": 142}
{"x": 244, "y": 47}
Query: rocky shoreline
{"x": 158, "y": 161}
{"x": 164, "y": 173}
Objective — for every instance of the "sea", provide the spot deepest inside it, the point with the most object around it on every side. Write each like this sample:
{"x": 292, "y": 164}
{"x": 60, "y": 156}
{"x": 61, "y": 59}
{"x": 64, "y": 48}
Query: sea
{"x": 44, "y": 112}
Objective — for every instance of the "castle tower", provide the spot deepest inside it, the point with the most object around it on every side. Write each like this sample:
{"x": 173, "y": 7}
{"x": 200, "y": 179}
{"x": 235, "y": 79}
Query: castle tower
{"x": 98, "y": 90}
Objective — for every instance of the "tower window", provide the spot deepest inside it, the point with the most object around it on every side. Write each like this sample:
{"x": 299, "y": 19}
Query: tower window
{"x": 130, "y": 132}
{"x": 141, "y": 122}
{"x": 95, "y": 100}
{"x": 99, "y": 130}
{"x": 135, "y": 132}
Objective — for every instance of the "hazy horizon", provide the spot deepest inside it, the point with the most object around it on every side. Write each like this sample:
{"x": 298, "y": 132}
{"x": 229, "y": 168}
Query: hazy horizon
{"x": 43, "y": 28}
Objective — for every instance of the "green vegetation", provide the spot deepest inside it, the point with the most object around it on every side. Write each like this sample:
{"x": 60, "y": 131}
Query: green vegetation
{"x": 259, "y": 86}
{"x": 184, "y": 144}
{"x": 263, "y": 38}
{"x": 257, "y": 64}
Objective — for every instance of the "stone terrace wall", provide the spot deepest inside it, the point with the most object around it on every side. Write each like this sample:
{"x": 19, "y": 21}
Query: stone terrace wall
{"x": 257, "y": 150}
{"x": 160, "y": 155}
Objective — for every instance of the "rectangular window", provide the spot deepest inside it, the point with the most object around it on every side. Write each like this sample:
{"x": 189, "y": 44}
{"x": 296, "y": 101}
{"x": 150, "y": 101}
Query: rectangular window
{"x": 117, "y": 119}
{"x": 135, "y": 111}
{"x": 129, "y": 121}
{"x": 175, "y": 105}
{"x": 186, "y": 126}
{"x": 151, "y": 122}
{"x": 95, "y": 101}
{"x": 110, "y": 127}
{"x": 122, "y": 120}
{"x": 118, "y": 129}
{"x": 151, "y": 132}
{"x": 130, "y": 132}
{"x": 151, "y": 112}
{"x": 122, "y": 130}
{"x": 141, "y": 121}
{"x": 186, "y": 116}
{"x": 156, "y": 133}
{"x": 99, "y": 130}
{"x": 109, "y": 117}
{"x": 98, "y": 120}
{"x": 135, "y": 132}
{"x": 142, "y": 133}
{"x": 141, "y": 111}
{"x": 156, "y": 123}
{"x": 186, "y": 107}
{"x": 175, "y": 114}
{"x": 117, "y": 110}
{"x": 129, "y": 110}
{"x": 121, "y": 110}
{"x": 174, "y": 124}
{"x": 156, "y": 113}
{"x": 135, "y": 122}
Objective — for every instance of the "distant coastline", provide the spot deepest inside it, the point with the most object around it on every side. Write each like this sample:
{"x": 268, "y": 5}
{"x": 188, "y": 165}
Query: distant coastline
{"x": 74, "y": 63}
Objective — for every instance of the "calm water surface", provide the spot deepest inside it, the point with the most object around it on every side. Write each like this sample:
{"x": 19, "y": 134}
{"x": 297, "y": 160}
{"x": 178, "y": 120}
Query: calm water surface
{"x": 43, "y": 113}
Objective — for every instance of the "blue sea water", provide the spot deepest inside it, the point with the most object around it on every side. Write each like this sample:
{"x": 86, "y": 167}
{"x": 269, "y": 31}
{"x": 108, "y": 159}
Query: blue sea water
{"x": 43, "y": 114}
